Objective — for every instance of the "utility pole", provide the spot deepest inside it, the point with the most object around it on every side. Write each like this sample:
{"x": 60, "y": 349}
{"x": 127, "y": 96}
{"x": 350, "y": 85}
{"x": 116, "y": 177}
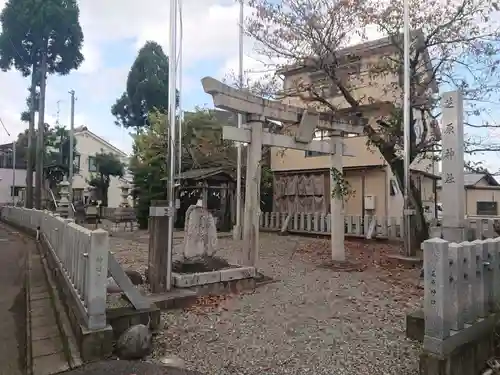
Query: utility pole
{"x": 71, "y": 146}
{"x": 28, "y": 200}
{"x": 13, "y": 164}
{"x": 13, "y": 172}
{"x": 237, "y": 227}
{"x": 40, "y": 135}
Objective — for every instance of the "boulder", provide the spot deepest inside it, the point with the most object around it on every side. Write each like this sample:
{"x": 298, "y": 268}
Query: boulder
{"x": 135, "y": 343}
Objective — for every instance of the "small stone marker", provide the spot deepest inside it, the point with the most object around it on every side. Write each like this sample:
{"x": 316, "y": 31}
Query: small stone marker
{"x": 437, "y": 288}
{"x": 200, "y": 236}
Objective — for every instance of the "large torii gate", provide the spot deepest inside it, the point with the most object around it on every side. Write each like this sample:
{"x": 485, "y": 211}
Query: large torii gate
{"x": 256, "y": 111}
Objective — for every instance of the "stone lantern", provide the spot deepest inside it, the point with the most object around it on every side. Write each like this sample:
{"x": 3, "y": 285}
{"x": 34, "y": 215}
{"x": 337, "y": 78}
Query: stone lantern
{"x": 63, "y": 205}
{"x": 125, "y": 188}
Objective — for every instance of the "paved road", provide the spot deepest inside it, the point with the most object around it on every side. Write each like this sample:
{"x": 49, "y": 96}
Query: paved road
{"x": 13, "y": 250}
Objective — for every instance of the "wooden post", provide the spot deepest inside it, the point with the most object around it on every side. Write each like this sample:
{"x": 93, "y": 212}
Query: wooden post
{"x": 158, "y": 243}
{"x": 252, "y": 192}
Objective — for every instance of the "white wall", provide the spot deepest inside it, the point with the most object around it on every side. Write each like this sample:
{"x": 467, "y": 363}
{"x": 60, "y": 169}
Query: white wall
{"x": 6, "y": 178}
{"x": 86, "y": 146}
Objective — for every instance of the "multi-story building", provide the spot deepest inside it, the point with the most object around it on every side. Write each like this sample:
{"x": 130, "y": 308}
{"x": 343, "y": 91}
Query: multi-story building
{"x": 302, "y": 182}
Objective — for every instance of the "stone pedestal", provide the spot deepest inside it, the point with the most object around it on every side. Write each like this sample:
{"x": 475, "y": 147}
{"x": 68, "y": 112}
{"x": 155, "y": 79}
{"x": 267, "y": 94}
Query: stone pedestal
{"x": 455, "y": 234}
{"x": 63, "y": 204}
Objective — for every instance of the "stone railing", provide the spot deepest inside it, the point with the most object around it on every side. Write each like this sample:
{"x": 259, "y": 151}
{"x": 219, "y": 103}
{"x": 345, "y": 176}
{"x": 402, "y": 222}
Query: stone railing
{"x": 481, "y": 227}
{"x": 461, "y": 295}
{"x": 81, "y": 256}
{"x": 317, "y": 223}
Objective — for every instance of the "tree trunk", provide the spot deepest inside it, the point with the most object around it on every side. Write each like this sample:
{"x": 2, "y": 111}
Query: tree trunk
{"x": 40, "y": 135}
{"x": 104, "y": 190}
{"x": 420, "y": 229}
{"x": 31, "y": 135}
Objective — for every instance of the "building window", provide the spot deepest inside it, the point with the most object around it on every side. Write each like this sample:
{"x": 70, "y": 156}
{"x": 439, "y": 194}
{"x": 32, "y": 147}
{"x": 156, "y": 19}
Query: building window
{"x": 310, "y": 154}
{"x": 76, "y": 164}
{"x": 320, "y": 135}
{"x": 15, "y": 190}
{"x": 92, "y": 164}
{"x": 486, "y": 208}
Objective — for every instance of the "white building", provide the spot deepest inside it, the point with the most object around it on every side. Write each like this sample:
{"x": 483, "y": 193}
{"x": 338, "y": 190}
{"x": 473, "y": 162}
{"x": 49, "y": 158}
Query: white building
{"x": 88, "y": 145}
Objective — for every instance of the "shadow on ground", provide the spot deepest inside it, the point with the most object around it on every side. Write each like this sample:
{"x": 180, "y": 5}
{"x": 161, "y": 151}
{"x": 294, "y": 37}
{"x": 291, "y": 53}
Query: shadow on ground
{"x": 127, "y": 368}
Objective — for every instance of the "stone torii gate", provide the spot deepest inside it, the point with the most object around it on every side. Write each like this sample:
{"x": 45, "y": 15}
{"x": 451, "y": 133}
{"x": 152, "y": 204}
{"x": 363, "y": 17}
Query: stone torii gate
{"x": 256, "y": 112}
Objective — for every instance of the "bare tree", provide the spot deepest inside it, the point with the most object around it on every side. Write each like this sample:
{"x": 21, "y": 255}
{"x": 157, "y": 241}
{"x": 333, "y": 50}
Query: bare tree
{"x": 454, "y": 46}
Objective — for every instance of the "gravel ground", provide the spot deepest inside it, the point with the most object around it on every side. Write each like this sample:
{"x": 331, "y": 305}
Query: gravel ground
{"x": 312, "y": 320}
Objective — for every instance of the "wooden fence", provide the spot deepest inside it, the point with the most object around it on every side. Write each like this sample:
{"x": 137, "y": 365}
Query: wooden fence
{"x": 461, "y": 291}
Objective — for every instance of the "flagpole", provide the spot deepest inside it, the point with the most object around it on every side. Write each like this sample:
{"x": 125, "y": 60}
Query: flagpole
{"x": 172, "y": 95}
{"x": 406, "y": 123}
{"x": 237, "y": 229}
{"x": 181, "y": 113}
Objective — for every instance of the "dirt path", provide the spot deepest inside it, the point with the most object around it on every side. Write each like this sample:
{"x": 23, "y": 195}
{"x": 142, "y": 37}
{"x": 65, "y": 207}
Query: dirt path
{"x": 13, "y": 250}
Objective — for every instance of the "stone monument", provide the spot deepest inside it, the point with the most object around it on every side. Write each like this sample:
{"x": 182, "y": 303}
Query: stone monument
{"x": 453, "y": 193}
{"x": 200, "y": 233}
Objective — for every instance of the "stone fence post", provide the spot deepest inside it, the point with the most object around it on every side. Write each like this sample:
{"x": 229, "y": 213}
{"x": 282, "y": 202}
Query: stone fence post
{"x": 95, "y": 279}
{"x": 461, "y": 285}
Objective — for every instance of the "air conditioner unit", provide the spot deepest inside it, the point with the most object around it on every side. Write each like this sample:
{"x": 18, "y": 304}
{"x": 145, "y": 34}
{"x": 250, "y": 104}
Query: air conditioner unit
{"x": 369, "y": 202}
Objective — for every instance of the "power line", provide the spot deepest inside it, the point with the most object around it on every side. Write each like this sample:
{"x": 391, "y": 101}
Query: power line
{"x": 4, "y": 127}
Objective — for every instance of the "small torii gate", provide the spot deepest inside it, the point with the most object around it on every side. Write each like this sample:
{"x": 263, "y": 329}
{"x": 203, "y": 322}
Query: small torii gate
{"x": 256, "y": 111}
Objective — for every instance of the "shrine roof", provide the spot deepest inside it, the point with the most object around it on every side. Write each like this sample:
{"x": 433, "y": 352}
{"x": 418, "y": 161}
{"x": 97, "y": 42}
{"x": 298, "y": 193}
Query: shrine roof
{"x": 471, "y": 179}
{"x": 204, "y": 173}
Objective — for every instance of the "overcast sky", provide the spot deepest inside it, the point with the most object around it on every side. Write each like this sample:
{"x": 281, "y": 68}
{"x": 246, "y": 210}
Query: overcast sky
{"x": 114, "y": 31}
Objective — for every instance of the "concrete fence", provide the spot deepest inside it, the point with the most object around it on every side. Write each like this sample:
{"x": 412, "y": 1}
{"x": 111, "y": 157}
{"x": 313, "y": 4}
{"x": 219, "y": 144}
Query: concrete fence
{"x": 82, "y": 257}
{"x": 461, "y": 294}
{"x": 368, "y": 226}
{"x": 319, "y": 223}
